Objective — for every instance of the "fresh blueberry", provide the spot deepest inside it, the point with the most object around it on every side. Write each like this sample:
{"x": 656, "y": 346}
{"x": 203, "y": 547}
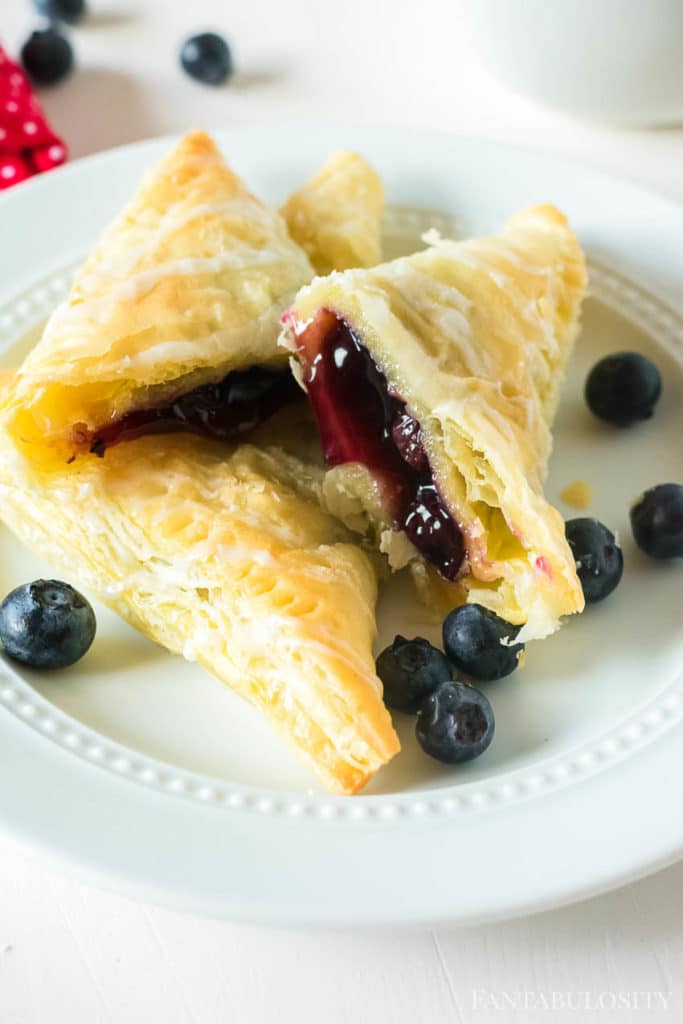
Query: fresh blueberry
{"x": 47, "y": 56}
{"x": 599, "y": 561}
{"x": 410, "y": 670}
{"x": 46, "y": 624}
{"x": 455, "y": 723}
{"x": 623, "y": 388}
{"x": 70, "y": 11}
{"x": 207, "y": 58}
{"x": 657, "y": 521}
{"x": 478, "y": 642}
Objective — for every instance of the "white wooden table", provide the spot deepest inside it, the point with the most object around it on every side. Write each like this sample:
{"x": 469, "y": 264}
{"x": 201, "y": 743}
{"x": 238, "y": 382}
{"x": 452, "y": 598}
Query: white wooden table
{"x": 70, "y": 953}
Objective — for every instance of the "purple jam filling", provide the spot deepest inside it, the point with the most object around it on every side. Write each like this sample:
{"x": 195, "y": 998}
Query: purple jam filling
{"x": 360, "y": 420}
{"x": 226, "y": 411}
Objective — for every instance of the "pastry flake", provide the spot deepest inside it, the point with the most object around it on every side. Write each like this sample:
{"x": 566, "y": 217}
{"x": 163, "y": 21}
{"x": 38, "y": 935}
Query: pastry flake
{"x": 186, "y": 285}
{"x": 434, "y": 380}
{"x": 336, "y": 216}
{"x": 227, "y": 556}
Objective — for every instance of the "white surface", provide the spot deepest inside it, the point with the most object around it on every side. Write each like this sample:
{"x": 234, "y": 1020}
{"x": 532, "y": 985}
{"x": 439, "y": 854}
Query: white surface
{"x": 83, "y": 956}
{"x": 584, "y": 733}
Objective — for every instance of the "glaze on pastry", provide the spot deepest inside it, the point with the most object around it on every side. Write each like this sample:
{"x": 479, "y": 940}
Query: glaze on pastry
{"x": 185, "y": 286}
{"x": 221, "y": 553}
{"x": 227, "y": 556}
{"x": 434, "y": 380}
{"x": 336, "y": 216}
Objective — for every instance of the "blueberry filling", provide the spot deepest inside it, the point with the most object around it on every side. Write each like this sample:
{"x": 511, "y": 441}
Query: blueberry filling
{"x": 361, "y": 420}
{"x": 226, "y": 411}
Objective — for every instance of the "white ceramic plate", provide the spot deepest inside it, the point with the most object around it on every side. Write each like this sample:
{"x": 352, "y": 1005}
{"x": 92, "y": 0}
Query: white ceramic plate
{"x": 139, "y": 771}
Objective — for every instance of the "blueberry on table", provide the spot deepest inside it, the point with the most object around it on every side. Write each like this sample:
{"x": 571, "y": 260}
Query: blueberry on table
{"x": 623, "y": 388}
{"x": 410, "y": 670}
{"x": 47, "y": 56}
{"x": 455, "y": 723}
{"x": 479, "y": 642}
{"x": 46, "y": 624}
{"x": 598, "y": 557}
{"x": 657, "y": 521}
{"x": 207, "y": 58}
{"x": 70, "y": 11}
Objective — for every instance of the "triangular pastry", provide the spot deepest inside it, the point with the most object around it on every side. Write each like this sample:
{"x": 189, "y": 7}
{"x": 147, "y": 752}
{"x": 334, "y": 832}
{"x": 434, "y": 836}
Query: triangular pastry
{"x": 221, "y": 552}
{"x": 434, "y": 379}
{"x": 336, "y": 216}
{"x": 224, "y": 555}
{"x": 185, "y": 286}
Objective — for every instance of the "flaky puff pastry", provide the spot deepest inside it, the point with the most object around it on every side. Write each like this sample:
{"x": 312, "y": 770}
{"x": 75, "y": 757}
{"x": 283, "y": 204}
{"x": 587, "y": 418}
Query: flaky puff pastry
{"x": 336, "y": 216}
{"x": 187, "y": 284}
{"x": 226, "y": 556}
{"x": 474, "y": 336}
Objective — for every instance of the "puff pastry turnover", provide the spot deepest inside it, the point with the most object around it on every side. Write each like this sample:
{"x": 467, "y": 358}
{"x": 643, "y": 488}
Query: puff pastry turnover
{"x": 185, "y": 286}
{"x": 223, "y": 554}
{"x": 434, "y": 379}
{"x": 336, "y": 216}
{"x": 226, "y": 556}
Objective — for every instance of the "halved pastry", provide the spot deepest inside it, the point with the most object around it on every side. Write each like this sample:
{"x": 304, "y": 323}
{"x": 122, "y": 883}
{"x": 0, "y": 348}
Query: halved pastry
{"x": 227, "y": 556}
{"x": 221, "y": 553}
{"x": 433, "y": 380}
{"x": 183, "y": 292}
{"x": 336, "y": 216}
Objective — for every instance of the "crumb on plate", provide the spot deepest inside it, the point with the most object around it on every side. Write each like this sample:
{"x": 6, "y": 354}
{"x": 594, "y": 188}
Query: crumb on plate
{"x": 578, "y": 494}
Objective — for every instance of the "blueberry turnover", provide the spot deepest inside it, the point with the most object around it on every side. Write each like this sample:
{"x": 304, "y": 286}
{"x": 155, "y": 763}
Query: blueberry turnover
{"x": 335, "y": 217}
{"x": 163, "y": 357}
{"x": 183, "y": 290}
{"x": 433, "y": 380}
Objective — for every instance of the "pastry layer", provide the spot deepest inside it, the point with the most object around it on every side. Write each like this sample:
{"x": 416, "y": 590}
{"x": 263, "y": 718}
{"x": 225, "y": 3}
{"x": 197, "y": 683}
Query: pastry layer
{"x": 473, "y": 337}
{"x": 226, "y": 556}
{"x": 336, "y": 216}
{"x": 187, "y": 284}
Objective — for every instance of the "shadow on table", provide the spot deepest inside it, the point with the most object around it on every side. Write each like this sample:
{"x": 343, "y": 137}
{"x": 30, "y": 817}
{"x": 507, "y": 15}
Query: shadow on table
{"x": 98, "y": 108}
{"x": 107, "y": 19}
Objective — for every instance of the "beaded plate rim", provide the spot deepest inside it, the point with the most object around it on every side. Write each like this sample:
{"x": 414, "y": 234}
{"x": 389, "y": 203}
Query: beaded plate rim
{"x": 661, "y": 714}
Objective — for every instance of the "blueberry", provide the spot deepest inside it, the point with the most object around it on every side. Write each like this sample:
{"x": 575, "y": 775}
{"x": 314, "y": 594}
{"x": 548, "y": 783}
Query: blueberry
{"x": 477, "y": 641}
{"x": 46, "y": 624}
{"x": 207, "y": 58}
{"x": 623, "y": 388}
{"x": 657, "y": 521}
{"x": 410, "y": 670}
{"x": 47, "y": 56}
{"x": 406, "y": 434}
{"x": 70, "y": 11}
{"x": 430, "y": 527}
{"x": 455, "y": 723}
{"x": 599, "y": 561}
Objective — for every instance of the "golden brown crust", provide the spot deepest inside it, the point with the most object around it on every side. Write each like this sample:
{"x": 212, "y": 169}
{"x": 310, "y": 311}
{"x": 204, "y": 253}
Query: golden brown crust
{"x": 187, "y": 284}
{"x": 474, "y": 336}
{"x": 225, "y": 556}
{"x": 336, "y": 216}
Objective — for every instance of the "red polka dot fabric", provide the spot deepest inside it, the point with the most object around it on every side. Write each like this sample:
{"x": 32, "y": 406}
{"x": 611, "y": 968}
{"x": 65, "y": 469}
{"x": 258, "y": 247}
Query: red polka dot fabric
{"x": 28, "y": 145}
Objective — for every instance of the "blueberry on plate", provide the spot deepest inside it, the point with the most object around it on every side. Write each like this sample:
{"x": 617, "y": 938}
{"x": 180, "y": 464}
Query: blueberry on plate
{"x": 47, "y": 56}
{"x": 70, "y": 11}
{"x": 623, "y": 388}
{"x": 598, "y": 557}
{"x": 455, "y": 723}
{"x": 207, "y": 58}
{"x": 657, "y": 521}
{"x": 46, "y": 624}
{"x": 410, "y": 670}
{"x": 479, "y": 642}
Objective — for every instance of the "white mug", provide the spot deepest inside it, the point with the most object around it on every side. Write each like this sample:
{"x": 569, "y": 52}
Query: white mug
{"x": 606, "y": 60}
